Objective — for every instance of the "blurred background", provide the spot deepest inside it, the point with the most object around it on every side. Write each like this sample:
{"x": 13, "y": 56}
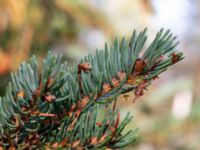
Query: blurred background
{"x": 168, "y": 115}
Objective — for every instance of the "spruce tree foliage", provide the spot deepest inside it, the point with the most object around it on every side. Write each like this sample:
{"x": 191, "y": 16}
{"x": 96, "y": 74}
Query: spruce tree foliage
{"x": 58, "y": 106}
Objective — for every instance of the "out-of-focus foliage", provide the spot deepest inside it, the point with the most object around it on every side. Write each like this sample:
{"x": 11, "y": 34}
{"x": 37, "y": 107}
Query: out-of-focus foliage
{"x": 36, "y": 26}
{"x": 69, "y": 25}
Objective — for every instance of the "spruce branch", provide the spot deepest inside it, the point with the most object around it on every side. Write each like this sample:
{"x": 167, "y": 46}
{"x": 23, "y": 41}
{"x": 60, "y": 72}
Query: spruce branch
{"x": 58, "y": 106}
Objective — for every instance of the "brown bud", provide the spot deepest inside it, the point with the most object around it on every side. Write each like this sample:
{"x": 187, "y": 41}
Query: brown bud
{"x": 112, "y": 129}
{"x": 99, "y": 124}
{"x": 63, "y": 143}
{"x": 73, "y": 107}
{"x": 139, "y": 66}
{"x": 121, "y": 76}
{"x": 84, "y": 101}
{"x": 50, "y": 82}
{"x": 69, "y": 113}
{"x": 47, "y": 147}
{"x": 24, "y": 108}
{"x": 12, "y": 147}
{"x": 75, "y": 144}
{"x": 175, "y": 58}
{"x": 131, "y": 79}
{"x": 115, "y": 82}
{"x": 36, "y": 93}
{"x": 16, "y": 121}
{"x": 49, "y": 98}
{"x": 102, "y": 138}
{"x": 21, "y": 94}
{"x": 139, "y": 91}
{"x": 93, "y": 140}
{"x": 84, "y": 67}
{"x": 55, "y": 145}
{"x": 106, "y": 88}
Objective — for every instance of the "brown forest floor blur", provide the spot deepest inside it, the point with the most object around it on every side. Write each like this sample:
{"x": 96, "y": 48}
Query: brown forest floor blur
{"x": 75, "y": 27}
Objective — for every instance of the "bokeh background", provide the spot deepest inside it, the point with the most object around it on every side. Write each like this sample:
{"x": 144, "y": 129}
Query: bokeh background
{"x": 169, "y": 114}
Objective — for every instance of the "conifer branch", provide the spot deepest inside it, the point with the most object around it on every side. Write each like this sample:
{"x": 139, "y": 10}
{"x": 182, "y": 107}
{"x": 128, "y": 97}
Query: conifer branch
{"x": 58, "y": 106}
